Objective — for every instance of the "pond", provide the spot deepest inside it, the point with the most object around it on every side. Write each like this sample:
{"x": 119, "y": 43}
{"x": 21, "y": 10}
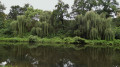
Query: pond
{"x": 44, "y": 56}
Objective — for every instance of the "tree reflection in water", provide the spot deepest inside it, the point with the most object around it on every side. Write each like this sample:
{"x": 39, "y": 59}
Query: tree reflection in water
{"x": 23, "y": 56}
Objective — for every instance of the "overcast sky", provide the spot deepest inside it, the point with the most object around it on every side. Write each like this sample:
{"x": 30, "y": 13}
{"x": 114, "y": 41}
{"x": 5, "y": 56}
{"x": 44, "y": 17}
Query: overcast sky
{"x": 37, "y": 4}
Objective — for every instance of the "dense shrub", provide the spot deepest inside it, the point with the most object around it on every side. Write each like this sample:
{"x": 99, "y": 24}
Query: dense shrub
{"x": 33, "y": 31}
{"x": 68, "y": 40}
{"x": 78, "y": 40}
{"x": 33, "y": 39}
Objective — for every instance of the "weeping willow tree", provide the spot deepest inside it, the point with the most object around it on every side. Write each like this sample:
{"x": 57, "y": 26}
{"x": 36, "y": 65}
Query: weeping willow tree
{"x": 41, "y": 29}
{"x": 34, "y": 21}
{"x": 94, "y": 33}
{"x": 21, "y": 24}
{"x": 29, "y": 24}
{"x": 45, "y": 28}
{"x": 93, "y": 26}
{"x": 109, "y": 34}
{"x": 79, "y": 28}
{"x": 33, "y": 31}
{"x": 14, "y": 27}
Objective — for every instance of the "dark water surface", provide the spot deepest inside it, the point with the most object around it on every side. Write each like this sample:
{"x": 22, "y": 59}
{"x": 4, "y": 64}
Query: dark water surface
{"x": 24, "y": 56}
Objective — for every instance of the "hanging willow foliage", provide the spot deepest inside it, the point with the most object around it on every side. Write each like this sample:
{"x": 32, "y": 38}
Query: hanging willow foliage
{"x": 21, "y": 24}
{"x": 109, "y": 34}
{"x": 29, "y": 24}
{"x": 93, "y": 26}
{"x": 39, "y": 32}
{"x": 14, "y": 27}
{"x": 33, "y": 31}
{"x": 94, "y": 34}
{"x": 45, "y": 28}
{"x": 41, "y": 29}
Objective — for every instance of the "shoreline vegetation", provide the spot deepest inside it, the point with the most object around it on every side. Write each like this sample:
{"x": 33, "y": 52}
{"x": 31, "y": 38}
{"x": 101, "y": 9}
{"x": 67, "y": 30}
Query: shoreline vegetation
{"x": 73, "y": 43}
{"x": 57, "y": 40}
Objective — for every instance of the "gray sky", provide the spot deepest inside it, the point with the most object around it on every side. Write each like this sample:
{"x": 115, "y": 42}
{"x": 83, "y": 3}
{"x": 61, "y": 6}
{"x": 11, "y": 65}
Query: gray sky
{"x": 37, "y": 4}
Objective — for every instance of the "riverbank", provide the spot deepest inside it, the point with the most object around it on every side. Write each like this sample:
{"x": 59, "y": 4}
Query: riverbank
{"x": 76, "y": 43}
{"x": 34, "y": 39}
{"x": 58, "y": 40}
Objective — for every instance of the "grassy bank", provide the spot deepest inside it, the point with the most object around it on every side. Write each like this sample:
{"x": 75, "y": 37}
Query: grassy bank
{"x": 15, "y": 39}
{"x": 66, "y": 40}
{"x": 104, "y": 42}
{"x": 76, "y": 43}
{"x": 34, "y": 39}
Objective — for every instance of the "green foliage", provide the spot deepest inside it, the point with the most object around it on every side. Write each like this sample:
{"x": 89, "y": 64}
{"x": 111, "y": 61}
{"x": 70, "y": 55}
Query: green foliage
{"x": 29, "y": 22}
{"x": 39, "y": 31}
{"x": 77, "y": 32}
{"x": 78, "y": 40}
{"x": 17, "y": 10}
{"x": 6, "y": 32}
{"x": 33, "y": 31}
{"x": 14, "y": 27}
{"x": 16, "y": 39}
{"x": 109, "y": 34}
{"x": 100, "y": 6}
{"x": 57, "y": 17}
{"x": 94, "y": 34}
{"x": 2, "y": 15}
{"x": 18, "y": 26}
{"x": 117, "y": 32}
{"x": 68, "y": 40}
{"x": 21, "y": 25}
{"x": 93, "y": 26}
{"x": 116, "y": 21}
{"x": 2, "y": 7}
{"x": 33, "y": 39}
{"x": 87, "y": 24}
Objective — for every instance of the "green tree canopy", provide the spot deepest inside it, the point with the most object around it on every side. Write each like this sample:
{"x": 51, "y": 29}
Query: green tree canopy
{"x": 107, "y": 6}
{"x": 17, "y": 10}
{"x": 59, "y": 14}
{"x": 93, "y": 26}
{"x": 2, "y": 15}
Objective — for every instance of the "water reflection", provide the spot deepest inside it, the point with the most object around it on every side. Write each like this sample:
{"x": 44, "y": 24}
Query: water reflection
{"x": 64, "y": 63}
{"x": 23, "y": 56}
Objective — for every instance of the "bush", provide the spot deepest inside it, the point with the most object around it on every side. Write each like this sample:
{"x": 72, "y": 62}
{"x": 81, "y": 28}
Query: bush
{"x": 33, "y": 31}
{"x": 68, "y": 40}
{"x": 78, "y": 40}
{"x": 33, "y": 39}
{"x": 77, "y": 32}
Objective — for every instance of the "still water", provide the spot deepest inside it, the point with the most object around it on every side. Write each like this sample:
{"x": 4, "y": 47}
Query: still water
{"x": 41, "y": 56}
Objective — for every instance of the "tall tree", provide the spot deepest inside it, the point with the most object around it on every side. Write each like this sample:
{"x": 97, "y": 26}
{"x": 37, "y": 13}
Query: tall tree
{"x": 107, "y": 6}
{"x": 14, "y": 12}
{"x": 2, "y": 15}
{"x": 17, "y": 10}
{"x": 93, "y": 26}
{"x": 82, "y": 6}
{"x": 2, "y": 7}
{"x": 60, "y": 13}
